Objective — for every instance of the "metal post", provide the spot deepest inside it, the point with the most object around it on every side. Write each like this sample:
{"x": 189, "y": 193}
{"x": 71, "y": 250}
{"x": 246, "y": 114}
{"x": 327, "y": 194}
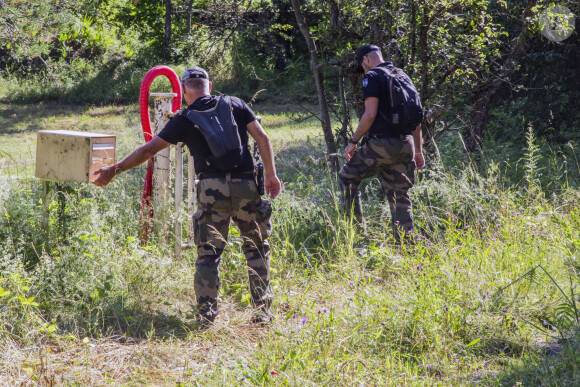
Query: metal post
{"x": 162, "y": 181}
{"x": 191, "y": 198}
{"x": 45, "y": 221}
{"x": 191, "y": 183}
{"x": 178, "y": 197}
{"x": 161, "y": 174}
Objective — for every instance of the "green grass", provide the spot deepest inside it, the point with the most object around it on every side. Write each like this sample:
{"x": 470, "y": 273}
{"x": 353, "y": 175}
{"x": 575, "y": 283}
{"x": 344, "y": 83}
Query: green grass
{"x": 351, "y": 308}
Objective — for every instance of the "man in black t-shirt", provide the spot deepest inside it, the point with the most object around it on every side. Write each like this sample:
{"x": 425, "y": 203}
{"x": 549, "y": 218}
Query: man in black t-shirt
{"x": 391, "y": 156}
{"x": 222, "y": 196}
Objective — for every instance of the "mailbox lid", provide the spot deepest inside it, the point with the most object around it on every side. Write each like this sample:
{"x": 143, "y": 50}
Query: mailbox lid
{"x": 74, "y": 133}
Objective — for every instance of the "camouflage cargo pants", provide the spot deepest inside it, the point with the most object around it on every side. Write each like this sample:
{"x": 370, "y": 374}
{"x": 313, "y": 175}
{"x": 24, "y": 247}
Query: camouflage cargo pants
{"x": 219, "y": 201}
{"x": 392, "y": 159}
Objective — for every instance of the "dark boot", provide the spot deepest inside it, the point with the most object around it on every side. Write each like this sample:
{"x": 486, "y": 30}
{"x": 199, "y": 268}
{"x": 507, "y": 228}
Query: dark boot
{"x": 353, "y": 205}
{"x": 262, "y": 316}
{"x": 205, "y": 315}
{"x": 401, "y": 214}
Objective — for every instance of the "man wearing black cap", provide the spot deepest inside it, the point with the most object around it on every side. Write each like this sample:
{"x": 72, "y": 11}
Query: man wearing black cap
{"x": 386, "y": 152}
{"x": 222, "y": 195}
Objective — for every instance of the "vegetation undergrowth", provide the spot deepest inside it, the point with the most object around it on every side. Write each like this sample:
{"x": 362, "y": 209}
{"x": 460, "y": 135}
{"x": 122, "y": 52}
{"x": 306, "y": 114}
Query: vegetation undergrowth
{"x": 82, "y": 301}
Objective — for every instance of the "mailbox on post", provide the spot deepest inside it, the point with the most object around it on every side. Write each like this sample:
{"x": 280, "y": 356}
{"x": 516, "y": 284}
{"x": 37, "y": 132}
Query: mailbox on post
{"x": 63, "y": 155}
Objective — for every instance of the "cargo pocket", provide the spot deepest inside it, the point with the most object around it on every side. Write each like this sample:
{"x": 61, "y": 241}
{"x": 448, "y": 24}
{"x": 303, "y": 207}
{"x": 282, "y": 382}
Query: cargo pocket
{"x": 197, "y": 227}
{"x": 370, "y": 153}
{"x": 264, "y": 213}
{"x": 264, "y": 209}
{"x": 412, "y": 167}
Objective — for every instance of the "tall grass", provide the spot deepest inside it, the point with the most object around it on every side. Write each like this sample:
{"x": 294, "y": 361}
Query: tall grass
{"x": 351, "y": 308}
{"x": 118, "y": 80}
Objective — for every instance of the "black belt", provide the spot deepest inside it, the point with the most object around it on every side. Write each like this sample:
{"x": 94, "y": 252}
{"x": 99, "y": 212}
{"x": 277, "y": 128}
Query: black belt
{"x": 380, "y": 136}
{"x": 219, "y": 175}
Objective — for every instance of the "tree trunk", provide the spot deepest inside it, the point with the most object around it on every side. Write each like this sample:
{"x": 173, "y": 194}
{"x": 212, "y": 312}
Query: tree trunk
{"x": 424, "y": 51}
{"x": 334, "y": 11}
{"x": 473, "y": 135}
{"x": 167, "y": 40}
{"x": 429, "y": 123}
{"x": 359, "y": 105}
{"x": 342, "y": 136}
{"x": 484, "y": 93}
{"x": 411, "y": 68}
{"x": 189, "y": 15}
{"x": 324, "y": 115}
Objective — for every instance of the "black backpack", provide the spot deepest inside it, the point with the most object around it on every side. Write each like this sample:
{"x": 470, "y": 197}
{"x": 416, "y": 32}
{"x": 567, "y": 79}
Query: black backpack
{"x": 219, "y": 128}
{"x": 405, "y": 112}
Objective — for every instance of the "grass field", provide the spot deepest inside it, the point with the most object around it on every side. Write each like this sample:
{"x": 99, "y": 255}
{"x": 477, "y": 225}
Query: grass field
{"x": 488, "y": 294}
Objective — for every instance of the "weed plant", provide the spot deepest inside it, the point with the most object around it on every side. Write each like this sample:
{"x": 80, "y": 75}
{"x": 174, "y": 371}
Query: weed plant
{"x": 119, "y": 81}
{"x": 82, "y": 301}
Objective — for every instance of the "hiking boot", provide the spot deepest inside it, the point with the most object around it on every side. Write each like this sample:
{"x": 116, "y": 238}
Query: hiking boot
{"x": 361, "y": 225}
{"x": 205, "y": 317}
{"x": 262, "y": 317}
{"x": 202, "y": 322}
{"x": 352, "y": 199}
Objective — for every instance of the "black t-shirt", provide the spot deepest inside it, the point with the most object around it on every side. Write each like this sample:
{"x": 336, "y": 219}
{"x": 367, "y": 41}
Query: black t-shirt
{"x": 375, "y": 85}
{"x": 180, "y": 129}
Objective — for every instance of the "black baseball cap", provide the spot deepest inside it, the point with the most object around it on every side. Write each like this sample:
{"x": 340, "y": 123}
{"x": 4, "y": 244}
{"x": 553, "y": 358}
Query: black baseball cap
{"x": 363, "y": 51}
{"x": 194, "y": 72}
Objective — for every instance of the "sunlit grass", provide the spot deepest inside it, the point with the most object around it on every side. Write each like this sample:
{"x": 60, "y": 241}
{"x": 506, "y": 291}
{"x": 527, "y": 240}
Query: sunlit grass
{"x": 351, "y": 308}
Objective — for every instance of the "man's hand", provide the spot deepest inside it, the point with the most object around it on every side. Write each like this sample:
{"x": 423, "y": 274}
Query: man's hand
{"x": 105, "y": 175}
{"x": 349, "y": 151}
{"x": 272, "y": 186}
{"x": 419, "y": 160}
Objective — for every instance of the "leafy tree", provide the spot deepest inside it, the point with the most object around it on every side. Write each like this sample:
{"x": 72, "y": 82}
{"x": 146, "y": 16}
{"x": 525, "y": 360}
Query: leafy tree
{"x": 35, "y": 33}
{"x": 457, "y": 51}
{"x": 519, "y": 20}
{"x": 441, "y": 44}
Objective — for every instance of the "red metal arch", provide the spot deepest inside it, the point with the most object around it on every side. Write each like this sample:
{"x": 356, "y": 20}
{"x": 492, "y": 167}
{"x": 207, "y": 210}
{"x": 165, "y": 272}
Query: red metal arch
{"x": 146, "y": 205}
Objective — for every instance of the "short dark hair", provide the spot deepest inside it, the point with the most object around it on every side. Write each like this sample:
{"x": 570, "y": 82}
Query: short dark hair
{"x": 362, "y": 52}
{"x": 195, "y": 78}
{"x": 196, "y": 83}
{"x": 194, "y": 72}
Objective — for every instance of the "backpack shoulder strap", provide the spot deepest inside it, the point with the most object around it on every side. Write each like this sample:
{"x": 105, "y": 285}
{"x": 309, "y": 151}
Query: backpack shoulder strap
{"x": 383, "y": 69}
{"x": 192, "y": 114}
{"x": 389, "y": 86}
{"x": 228, "y": 100}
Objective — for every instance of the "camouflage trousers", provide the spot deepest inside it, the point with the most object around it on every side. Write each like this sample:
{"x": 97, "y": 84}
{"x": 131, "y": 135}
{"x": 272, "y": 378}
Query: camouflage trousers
{"x": 221, "y": 200}
{"x": 392, "y": 159}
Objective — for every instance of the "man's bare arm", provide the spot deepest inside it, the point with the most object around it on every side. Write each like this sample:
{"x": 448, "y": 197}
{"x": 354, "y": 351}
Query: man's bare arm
{"x": 271, "y": 181}
{"x": 418, "y": 140}
{"x": 365, "y": 123}
{"x": 135, "y": 158}
{"x": 367, "y": 119}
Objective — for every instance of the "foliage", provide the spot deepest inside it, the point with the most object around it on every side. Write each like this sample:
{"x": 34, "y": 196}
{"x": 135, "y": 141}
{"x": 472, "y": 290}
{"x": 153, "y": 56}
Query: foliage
{"x": 351, "y": 307}
{"x": 34, "y": 34}
{"x": 450, "y": 48}
{"x": 23, "y": 321}
{"x": 443, "y": 45}
{"x": 542, "y": 89}
{"x": 99, "y": 307}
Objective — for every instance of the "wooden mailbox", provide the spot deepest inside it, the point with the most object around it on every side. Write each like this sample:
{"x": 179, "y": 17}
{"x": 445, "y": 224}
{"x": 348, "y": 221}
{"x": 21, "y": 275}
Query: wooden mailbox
{"x": 63, "y": 155}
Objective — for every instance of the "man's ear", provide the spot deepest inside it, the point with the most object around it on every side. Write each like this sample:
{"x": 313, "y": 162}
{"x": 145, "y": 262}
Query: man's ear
{"x": 210, "y": 86}
{"x": 368, "y": 67}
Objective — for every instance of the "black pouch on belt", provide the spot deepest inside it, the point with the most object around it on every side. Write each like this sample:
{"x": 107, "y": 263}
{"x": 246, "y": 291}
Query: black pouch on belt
{"x": 260, "y": 179}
